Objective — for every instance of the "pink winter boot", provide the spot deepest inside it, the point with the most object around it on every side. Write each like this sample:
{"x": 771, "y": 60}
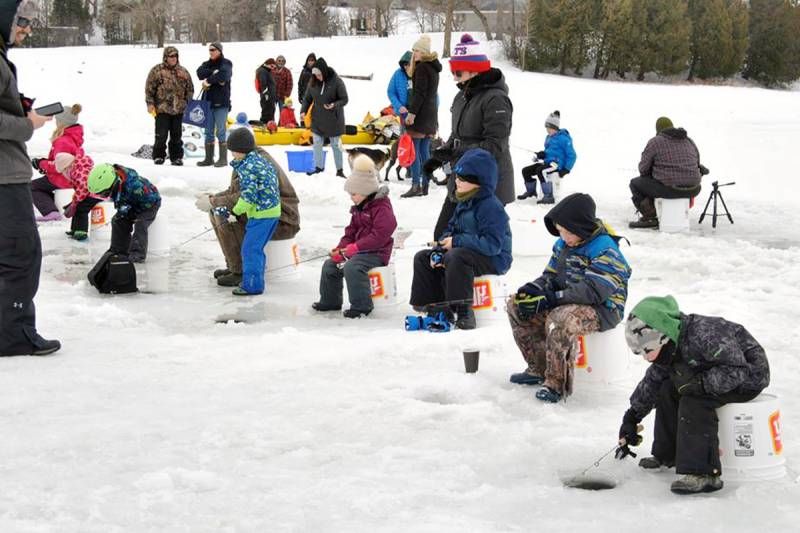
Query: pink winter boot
{"x": 52, "y": 216}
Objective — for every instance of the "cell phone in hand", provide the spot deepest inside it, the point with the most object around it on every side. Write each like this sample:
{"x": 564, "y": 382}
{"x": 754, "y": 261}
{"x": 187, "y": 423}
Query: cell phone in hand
{"x": 50, "y": 110}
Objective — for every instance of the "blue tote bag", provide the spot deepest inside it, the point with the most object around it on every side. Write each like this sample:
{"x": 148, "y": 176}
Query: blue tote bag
{"x": 198, "y": 112}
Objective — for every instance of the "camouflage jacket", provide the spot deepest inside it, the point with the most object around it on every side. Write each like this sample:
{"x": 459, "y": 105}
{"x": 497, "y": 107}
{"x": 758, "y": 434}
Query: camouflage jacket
{"x": 168, "y": 89}
{"x": 723, "y": 354}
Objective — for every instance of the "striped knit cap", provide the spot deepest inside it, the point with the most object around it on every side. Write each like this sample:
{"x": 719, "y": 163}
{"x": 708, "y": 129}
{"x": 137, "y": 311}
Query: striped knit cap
{"x": 469, "y": 55}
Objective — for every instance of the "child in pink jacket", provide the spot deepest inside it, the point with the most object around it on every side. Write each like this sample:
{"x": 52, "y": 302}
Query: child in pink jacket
{"x": 67, "y": 138}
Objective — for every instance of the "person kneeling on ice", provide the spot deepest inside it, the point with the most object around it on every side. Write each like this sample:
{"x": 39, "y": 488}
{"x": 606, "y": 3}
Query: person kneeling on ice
{"x": 76, "y": 170}
{"x": 366, "y": 244}
{"x": 582, "y": 289}
{"x": 137, "y": 202}
{"x": 699, "y": 363}
{"x": 476, "y": 242}
{"x": 558, "y": 156}
{"x": 260, "y": 200}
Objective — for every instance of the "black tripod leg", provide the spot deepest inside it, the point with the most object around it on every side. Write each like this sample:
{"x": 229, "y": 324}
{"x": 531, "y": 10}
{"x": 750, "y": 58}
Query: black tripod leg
{"x": 727, "y": 213}
{"x": 705, "y": 209}
{"x": 714, "y": 216}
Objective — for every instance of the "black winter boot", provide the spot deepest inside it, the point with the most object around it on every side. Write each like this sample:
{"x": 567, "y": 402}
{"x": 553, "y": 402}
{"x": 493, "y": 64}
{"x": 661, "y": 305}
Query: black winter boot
{"x": 415, "y": 190}
{"x": 465, "y": 317}
{"x": 209, "y": 160}
{"x": 223, "y": 156}
{"x": 231, "y": 279}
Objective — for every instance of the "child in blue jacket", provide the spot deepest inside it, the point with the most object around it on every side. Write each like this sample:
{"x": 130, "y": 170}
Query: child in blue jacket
{"x": 260, "y": 200}
{"x": 137, "y": 202}
{"x": 583, "y": 289}
{"x": 477, "y": 242}
{"x": 558, "y": 156}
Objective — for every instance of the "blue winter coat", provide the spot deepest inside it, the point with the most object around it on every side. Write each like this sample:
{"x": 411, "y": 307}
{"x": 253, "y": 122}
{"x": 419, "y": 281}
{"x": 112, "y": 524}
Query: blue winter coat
{"x": 398, "y": 90}
{"x": 135, "y": 193}
{"x": 481, "y": 224}
{"x": 259, "y": 195}
{"x": 218, "y": 74}
{"x": 593, "y": 273}
{"x": 558, "y": 148}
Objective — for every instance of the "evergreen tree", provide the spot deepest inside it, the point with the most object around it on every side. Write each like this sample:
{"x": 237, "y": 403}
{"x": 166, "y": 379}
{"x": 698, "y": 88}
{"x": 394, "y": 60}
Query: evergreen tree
{"x": 712, "y": 39}
{"x": 740, "y": 17}
{"x": 69, "y": 13}
{"x": 617, "y": 38}
{"x": 774, "y": 47}
{"x": 663, "y": 44}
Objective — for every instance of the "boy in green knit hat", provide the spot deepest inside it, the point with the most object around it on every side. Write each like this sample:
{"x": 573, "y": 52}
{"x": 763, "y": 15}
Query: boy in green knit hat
{"x": 699, "y": 363}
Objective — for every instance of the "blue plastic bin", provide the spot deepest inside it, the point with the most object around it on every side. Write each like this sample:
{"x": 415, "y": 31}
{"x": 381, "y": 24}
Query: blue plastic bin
{"x": 303, "y": 160}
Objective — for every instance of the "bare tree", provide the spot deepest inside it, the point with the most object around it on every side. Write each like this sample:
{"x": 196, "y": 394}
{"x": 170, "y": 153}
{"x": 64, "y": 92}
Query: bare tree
{"x": 448, "y": 26}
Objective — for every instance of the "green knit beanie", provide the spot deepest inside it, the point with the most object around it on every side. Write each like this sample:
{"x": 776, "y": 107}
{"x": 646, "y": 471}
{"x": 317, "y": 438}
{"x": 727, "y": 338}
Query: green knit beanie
{"x": 660, "y": 313}
{"x": 663, "y": 123}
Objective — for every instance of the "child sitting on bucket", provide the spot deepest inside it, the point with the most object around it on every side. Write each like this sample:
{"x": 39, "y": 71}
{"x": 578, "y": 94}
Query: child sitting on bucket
{"x": 137, "y": 202}
{"x": 366, "y": 244}
{"x": 287, "y": 119}
{"x": 558, "y": 156}
{"x": 260, "y": 200}
{"x": 699, "y": 363}
{"x": 583, "y": 289}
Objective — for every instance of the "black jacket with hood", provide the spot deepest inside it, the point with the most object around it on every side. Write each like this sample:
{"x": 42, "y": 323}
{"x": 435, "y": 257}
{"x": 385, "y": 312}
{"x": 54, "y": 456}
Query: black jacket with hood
{"x": 481, "y": 118}
{"x": 331, "y": 90}
{"x": 422, "y": 100}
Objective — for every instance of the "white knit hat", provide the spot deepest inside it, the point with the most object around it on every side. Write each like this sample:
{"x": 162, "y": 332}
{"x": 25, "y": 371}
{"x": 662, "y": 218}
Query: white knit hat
{"x": 363, "y": 178}
{"x": 423, "y": 44}
{"x": 62, "y": 161}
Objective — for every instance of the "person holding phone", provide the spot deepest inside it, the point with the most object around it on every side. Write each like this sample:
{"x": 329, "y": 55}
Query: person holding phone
{"x": 20, "y": 247}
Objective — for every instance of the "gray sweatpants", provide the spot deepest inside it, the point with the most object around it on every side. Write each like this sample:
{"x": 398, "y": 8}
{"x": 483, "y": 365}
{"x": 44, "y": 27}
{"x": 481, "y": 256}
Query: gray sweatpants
{"x": 354, "y": 273}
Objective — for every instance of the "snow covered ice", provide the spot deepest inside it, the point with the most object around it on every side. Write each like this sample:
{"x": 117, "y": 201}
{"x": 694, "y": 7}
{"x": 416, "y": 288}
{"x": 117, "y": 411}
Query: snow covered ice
{"x": 154, "y": 417}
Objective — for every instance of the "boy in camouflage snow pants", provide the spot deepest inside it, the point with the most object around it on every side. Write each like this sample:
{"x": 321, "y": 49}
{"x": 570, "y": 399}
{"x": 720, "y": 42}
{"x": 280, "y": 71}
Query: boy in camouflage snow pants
{"x": 583, "y": 289}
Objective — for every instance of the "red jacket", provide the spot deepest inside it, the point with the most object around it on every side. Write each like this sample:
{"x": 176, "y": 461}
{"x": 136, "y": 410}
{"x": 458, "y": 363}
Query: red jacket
{"x": 287, "y": 118}
{"x": 283, "y": 82}
{"x": 371, "y": 227}
{"x": 71, "y": 142}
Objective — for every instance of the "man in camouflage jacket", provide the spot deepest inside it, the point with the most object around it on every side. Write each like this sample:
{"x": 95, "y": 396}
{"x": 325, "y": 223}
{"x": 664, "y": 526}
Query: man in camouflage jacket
{"x": 167, "y": 91}
{"x": 699, "y": 364}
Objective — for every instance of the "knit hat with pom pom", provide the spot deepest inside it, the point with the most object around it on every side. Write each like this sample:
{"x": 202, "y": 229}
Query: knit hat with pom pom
{"x": 69, "y": 117}
{"x": 469, "y": 55}
{"x": 363, "y": 178}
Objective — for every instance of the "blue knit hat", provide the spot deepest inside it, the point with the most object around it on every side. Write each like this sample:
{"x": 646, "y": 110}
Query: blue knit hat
{"x": 477, "y": 166}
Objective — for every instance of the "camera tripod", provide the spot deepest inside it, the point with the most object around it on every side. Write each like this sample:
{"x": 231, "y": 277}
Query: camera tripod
{"x": 716, "y": 193}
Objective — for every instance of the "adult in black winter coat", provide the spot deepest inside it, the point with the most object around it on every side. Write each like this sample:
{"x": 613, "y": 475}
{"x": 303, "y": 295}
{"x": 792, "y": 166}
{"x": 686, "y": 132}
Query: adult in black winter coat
{"x": 422, "y": 121}
{"x": 481, "y": 118}
{"x": 265, "y": 85}
{"x": 216, "y": 74}
{"x": 327, "y": 93}
{"x": 305, "y": 76}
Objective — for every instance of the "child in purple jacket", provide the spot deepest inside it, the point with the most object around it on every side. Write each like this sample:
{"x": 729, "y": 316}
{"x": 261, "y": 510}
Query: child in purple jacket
{"x": 366, "y": 244}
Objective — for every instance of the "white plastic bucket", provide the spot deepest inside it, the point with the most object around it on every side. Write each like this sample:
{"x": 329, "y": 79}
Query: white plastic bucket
{"x": 750, "y": 439}
{"x": 488, "y": 298}
{"x": 383, "y": 285}
{"x": 158, "y": 235}
{"x": 100, "y": 219}
{"x": 282, "y": 259}
{"x": 602, "y": 356}
{"x": 62, "y": 197}
{"x": 153, "y": 275}
{"x": 673, "y": 214}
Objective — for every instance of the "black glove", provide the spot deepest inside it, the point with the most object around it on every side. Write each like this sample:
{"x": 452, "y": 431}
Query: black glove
{"x": 534, "y": 288}
{"x": 540, "y": 155}
{"x": 35, "y": 162}
{"x": 529, "y": 306}
{"x": 704, "y": 170}
{"x": 628, "y": 429}
{"x": 563, "y": 172}
{"x": 693, "y": 387}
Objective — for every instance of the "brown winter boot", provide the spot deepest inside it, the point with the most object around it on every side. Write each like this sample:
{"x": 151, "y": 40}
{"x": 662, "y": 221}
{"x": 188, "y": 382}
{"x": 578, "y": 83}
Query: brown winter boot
{"x": 223, "y": 156}
{"x": 209, "y": 160}
{"x": 415, "y": 190}
{"x": 648, "y": 217}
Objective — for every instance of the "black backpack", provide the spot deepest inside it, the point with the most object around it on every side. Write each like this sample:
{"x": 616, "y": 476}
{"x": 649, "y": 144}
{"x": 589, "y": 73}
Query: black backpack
{"x": 113, "y": 274}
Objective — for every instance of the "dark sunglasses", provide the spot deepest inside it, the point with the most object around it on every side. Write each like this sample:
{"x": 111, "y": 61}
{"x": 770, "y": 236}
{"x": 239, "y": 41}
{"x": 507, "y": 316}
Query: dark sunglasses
{"x": 173, "y": 55}
{"x": 213, "y": 50}
{"x": 458, "y": 73}
{"x": 24, "y": 22}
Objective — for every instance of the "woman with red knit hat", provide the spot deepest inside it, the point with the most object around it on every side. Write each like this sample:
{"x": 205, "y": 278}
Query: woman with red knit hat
{"x": 481, "y": 118}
